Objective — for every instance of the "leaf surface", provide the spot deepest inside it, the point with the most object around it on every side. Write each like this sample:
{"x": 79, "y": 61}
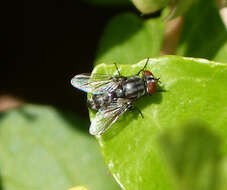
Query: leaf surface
{"x": 195, "y": 90}
{"x": 42, "y": 148}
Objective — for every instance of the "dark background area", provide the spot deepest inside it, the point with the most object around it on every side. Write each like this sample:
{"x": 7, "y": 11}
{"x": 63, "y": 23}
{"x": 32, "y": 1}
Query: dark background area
{"x": 44, "y": 44}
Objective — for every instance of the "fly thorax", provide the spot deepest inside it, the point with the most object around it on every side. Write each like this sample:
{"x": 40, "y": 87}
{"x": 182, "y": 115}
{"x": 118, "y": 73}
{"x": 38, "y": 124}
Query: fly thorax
{"x": 133, "y": 87}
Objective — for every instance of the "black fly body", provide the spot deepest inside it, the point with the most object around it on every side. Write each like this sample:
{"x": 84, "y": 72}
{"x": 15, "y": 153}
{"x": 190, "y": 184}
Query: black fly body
{"x": 112, "y": 96}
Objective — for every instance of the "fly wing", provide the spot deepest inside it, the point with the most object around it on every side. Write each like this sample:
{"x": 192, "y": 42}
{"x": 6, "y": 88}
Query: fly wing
{"x": 105, "y": 118}
{"x": 95, "y": 84}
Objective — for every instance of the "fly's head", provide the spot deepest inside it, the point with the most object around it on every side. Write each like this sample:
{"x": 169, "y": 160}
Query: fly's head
{"x": 150, "y": 81}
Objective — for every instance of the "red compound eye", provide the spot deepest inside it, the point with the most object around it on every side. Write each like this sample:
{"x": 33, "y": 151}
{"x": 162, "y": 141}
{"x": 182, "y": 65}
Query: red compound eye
{"x": 147, "y": 73}
{"x": 151, "y": 86}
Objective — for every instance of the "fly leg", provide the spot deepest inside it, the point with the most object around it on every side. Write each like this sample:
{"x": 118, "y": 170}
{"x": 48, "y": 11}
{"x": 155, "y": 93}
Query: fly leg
{"x": 117, "y": 69}
{"x": 141, "y": 114}
{"x": 143, "y": 66}
{"x": 136, "y": 108}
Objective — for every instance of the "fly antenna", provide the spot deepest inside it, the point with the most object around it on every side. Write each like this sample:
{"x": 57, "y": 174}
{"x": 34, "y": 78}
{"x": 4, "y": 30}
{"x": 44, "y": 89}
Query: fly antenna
{"x": 146, "y": 63}
{"x": 117, "y": 69}
{"x": 143, "y": 66}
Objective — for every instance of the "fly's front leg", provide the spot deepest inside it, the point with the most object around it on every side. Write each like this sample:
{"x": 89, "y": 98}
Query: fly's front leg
{"x": 143, "y": 66}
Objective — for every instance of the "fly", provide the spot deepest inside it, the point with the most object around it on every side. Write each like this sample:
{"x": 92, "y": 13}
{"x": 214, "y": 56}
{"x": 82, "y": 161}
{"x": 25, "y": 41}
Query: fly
{"x": 114, "y": 95}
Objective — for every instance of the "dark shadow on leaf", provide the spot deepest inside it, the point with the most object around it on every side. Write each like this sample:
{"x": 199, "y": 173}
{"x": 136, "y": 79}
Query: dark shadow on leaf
{"x": 193, "y": 154}
{"x": 155, "y": 98}
{"x": 75, "y": 122}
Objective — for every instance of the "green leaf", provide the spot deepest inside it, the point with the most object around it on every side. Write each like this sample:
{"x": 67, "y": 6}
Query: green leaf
{"x": 193, "y": 153}
{"x": 42, "y": 148}
{"x": 195, "y": 90}
{"x": 204, "y": 34}
{"x": 128, "y": 39}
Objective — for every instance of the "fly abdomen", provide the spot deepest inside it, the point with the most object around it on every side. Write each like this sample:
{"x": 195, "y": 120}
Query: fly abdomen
{"x": 92, "y": 105}
{"x": 99, "y": 101}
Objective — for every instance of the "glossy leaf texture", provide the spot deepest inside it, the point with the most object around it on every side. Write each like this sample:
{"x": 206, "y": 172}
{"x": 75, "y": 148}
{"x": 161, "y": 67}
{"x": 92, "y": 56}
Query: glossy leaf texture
{"x": 42, "y": 148}
{"x": 128, "y": 38}
{"x": 204, "y": 34}
{"x": 158, "y": 152}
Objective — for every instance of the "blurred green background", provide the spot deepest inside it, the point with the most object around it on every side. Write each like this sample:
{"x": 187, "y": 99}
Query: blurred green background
{"x": 44, "y": 121}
